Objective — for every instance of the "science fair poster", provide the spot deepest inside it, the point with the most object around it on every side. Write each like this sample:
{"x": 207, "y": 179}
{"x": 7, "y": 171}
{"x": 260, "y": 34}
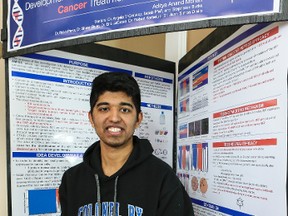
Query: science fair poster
{"x": 35, "y": 22}
{"x": 49, "y": 126}
{"x": 232, "y": 125}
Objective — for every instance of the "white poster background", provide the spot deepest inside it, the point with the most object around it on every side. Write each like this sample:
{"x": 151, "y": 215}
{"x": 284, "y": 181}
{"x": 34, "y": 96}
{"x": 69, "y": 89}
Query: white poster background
{"x": 50, "y": 131}
{"x": 238, "y": 166}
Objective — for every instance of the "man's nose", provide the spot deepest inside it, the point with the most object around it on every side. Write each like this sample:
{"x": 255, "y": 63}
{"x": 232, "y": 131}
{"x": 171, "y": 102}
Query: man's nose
{"x": 114, "y": 115}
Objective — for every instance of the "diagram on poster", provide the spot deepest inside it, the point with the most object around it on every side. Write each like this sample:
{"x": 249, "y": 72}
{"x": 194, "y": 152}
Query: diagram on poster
{"x": 232, "y": 125}
{"x": 49, "y": 103}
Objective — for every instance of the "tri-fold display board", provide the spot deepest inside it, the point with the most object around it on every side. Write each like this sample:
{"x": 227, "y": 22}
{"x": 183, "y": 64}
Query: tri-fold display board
{"x": 226, "y": 127}
{"x": 221, "y": 123}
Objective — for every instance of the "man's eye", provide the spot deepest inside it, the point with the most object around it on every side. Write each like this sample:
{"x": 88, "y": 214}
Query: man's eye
{"x": 103, "y": 109}
{"x": 125, "y": 110}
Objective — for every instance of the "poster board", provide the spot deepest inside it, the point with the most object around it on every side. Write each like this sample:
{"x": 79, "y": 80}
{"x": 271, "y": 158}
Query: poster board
{"x": 48, "y": 116}
{"x": 232, "y": 122}
{"x": 61, "y": 23}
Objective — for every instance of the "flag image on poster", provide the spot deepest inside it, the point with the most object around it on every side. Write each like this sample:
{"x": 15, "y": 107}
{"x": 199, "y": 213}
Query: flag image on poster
{"x": 200, "y": 78}
{"x": 184, "y": 87}
{"x": 184, "y": 105}
{"x": 183, "y": 131}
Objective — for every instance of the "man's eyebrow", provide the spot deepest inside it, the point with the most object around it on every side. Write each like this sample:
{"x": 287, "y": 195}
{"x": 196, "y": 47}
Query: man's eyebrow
{"x": 102, "y": 103}
{"x": 121, "y": 104}
{"x": 126, "y": 104}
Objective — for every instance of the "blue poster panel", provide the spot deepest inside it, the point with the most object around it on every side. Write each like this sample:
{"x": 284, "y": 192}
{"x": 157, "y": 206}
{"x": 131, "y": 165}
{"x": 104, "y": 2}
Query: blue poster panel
{"x": 34, "y": 22}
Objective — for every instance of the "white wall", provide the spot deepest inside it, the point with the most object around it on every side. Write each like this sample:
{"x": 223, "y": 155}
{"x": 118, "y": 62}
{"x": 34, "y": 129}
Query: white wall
{"x": 153, "y": 45}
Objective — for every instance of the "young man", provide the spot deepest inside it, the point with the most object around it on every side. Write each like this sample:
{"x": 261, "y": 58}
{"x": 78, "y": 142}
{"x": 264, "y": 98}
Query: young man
{"x": 119, "y": 174}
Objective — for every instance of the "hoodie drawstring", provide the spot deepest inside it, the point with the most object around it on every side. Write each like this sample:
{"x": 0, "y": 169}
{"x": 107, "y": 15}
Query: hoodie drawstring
{"x": 115, "y": 195}
{"x": 99, "y": 195}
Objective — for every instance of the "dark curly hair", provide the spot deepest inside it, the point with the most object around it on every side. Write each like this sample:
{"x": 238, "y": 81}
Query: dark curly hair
{"x": 115, "y": 82}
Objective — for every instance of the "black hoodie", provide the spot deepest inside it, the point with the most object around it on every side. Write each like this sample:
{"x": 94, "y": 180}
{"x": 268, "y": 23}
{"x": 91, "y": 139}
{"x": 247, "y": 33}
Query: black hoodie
{"x": 144, "y": 186}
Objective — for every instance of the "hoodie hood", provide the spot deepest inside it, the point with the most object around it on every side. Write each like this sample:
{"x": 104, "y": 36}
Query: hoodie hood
{"x": 142, "y": 149}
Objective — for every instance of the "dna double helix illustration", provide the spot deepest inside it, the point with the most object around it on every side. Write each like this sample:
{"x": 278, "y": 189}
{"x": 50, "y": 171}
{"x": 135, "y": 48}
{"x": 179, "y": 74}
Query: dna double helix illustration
{"x": 18, "y": 17}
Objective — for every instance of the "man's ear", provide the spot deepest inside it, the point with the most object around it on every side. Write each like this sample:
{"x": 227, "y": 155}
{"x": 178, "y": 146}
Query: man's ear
{"x": 139, "y": 119}
{"x": 91, "y": 119}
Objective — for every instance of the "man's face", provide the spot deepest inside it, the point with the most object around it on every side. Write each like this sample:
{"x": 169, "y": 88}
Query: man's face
{"x": 115, "y": 118}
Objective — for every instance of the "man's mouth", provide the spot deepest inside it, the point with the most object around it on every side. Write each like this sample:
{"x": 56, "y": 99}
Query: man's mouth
{"x": 114, "y": 129}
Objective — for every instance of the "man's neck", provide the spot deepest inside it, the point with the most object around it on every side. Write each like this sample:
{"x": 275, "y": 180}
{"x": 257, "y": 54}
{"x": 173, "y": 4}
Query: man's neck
{"x": 114, "y": 158}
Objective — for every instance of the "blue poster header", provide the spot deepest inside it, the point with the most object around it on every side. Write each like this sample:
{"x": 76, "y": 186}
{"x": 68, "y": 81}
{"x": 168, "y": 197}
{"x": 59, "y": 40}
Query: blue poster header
{"x": 33, "y": 22}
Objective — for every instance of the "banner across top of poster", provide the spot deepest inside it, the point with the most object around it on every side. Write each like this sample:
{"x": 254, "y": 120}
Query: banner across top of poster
{"x": 35, "y": 22}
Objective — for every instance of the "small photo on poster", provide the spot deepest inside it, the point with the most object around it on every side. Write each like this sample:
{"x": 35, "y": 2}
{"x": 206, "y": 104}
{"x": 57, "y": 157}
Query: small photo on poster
{"x": 191, "y": 127}
{"x": 205, "y": 126}
{"x": 199, "y": 127}
{"x": 184, "y": 87}
{"x": 200, "y": 78}
{"x": 185, "y": 157}
{"x": 199, "y": 157}
{"x": 184, "y": 106}
{"x": 183, "y": 131}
